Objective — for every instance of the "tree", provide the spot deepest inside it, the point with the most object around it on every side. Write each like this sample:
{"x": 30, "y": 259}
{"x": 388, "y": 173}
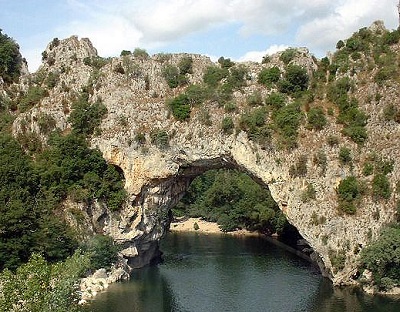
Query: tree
{"x": 268, "y": 76}
{"x": 10, "y": 59}
{"x": 180, "y": 107}
{"x": 296, "y": 79}
{"x": 86, "y": 117}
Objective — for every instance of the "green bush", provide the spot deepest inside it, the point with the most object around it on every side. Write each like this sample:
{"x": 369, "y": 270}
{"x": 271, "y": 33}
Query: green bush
{"x": 268, "y": 76}
{"x": 368, "y": 169}
{"x": 85, "y": 117}
{"x": 10, "y": 59}
{"x": 140, "y": 53}
{"x": 287, "y": 121}
{"x": 160, "y": 138}
{"x": 295, "y": 80}
{"x": 225, "y": 63}
{"x": 308, "y": 194}
{"x": 180, "y": 107}
{"x": 255, "y": 99}
{"x": 345, "y": 155}
{"x": 103, "y": 253}
{"x": 316, "y": 118}
{"x": 299, "y": 169}
{"x": 185, "y": 65}
{"x": 288, "y": 55}
{"x": 382, "y": 257}
{"x": 349, "y": 190}
{"x": 213, "y": 75}
{"x": 381, "y": 187}
{"x": 276, "y": 100}
{"x": 197, "y": 94}
{"x": 253, "y": 123}
{"x": 173, "y": 77}
{"x": 32, "y": 97}
{"x": 227, "y": 125}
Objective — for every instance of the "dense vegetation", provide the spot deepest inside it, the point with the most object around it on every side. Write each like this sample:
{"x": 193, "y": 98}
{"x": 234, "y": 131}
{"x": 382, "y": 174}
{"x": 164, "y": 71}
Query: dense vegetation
{"x": 234, "y": 201}
{"x": 10, "y": 59}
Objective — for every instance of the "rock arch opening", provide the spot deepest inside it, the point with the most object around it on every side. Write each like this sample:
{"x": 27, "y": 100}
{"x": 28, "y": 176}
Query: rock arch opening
{"x": 159, "y": 198}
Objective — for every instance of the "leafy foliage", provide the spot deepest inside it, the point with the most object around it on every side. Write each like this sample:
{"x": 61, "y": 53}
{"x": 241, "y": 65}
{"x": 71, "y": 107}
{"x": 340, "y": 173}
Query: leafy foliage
{"x": 180, "y": 107}
{"x": 10, "y": 59}
{"x": 40, "y": 286}
{"x": 227, "y": 125}
{"x": 295, "y": 80}
{"x": 316, "y": 118}
{"x": 348, "y": 192}
{"x": 382, "y": 257}
{"x": 160, "y": 138}
{"x": 268, "y": 76}
{"x": 287, "y": 121}
{"x": 85, "y": 117}
{"x": 254, "y": 123}
{"x": 233, "y": 200}
{"x": 102, "y": 252}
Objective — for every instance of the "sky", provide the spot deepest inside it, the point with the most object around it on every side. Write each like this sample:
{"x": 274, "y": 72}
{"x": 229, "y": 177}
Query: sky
{"x": 238, "y": 29}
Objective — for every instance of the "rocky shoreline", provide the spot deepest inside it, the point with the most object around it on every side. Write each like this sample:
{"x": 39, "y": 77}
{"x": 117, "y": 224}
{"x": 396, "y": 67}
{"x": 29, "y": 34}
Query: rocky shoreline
{"x": 99, "y": 281}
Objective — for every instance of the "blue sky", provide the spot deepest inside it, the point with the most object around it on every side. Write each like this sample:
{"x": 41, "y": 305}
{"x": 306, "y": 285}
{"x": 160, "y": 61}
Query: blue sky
{"x": 238, "y": 29}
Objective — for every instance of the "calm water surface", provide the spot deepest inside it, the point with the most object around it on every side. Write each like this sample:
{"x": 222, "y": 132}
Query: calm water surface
{"x": 223, "y": 273}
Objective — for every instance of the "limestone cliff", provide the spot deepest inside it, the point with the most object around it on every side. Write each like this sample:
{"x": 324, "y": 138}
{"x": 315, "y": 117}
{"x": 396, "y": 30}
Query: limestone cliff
{"x": 135, "y": 92}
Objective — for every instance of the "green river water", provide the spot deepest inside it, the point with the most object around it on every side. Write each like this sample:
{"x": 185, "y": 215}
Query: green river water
{"x": 216, "y": 273}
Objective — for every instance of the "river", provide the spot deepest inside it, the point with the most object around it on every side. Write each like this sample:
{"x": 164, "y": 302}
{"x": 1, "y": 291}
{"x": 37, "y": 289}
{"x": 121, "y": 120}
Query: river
{"x": 216, "y": 273}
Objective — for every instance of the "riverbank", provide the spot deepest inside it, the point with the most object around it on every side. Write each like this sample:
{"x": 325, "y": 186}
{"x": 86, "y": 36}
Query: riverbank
{"x": 199, "y": 225}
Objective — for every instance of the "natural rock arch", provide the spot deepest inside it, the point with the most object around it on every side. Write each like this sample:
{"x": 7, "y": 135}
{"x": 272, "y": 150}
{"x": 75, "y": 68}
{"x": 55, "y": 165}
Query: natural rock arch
{"x": 157, "y": 176}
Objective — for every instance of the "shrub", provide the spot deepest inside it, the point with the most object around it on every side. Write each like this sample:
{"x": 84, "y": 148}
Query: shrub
{"x": 172, "y": 76}
{"x": 391, "y": 113}
{"x": 213, "y": 75}
{"x": 348, "y": 191}
{"x": 255, "y": 99}
{"x": 381, "y": 187}
{"x": 299, "y": 169}
{"x": 33, "y": 96}
{"x": 85, "y": 117}
{"x": 197, "y": 94}
{"x": 338, "y": 259}
{"x": 276, "y": 100}
{"x": 332, "y": 140}
{"x": 288, "y": 55}
{"x": 254, "y": 124}
{"x": 140, "y": 138}
{"x": 140, "y": 53}
{"x": 382, "y": 257}
{"x": 196, "y": 226}
{"x": 103, "y": 253}
{"x": 185, "y": 65}
{"x": 159, "y": 138}
{"x": 268, "y": 76}
{"x": 368, "y": 169}
{"x": 345, "y": 155}
{"x": 180, "y": 107}
{"x": 316, "y": 118}
{"x": 321, "y": 160}
{"x": 287, "y": 121}
{"x": 295, "y": 80}
{"x": 227, "y": 125}
{"x": 225, "y": 63}
{"x": 309, "y": 193}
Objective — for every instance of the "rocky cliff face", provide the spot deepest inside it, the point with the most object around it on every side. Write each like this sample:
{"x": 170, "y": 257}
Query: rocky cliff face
{"x": 134, "y": 91}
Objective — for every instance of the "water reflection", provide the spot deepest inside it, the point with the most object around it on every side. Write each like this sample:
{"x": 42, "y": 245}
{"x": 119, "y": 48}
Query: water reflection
{"x": 213, "y": 273}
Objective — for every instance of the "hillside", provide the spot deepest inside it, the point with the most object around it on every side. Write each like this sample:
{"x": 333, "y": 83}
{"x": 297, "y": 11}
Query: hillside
{"x": 321, "y": 135}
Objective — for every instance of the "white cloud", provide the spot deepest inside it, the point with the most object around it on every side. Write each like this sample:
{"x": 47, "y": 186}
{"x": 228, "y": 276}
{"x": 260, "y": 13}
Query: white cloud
{"x": 316, "y": 24}
{"x": 322, "y": 32}
{"x": 257, "y": 56}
